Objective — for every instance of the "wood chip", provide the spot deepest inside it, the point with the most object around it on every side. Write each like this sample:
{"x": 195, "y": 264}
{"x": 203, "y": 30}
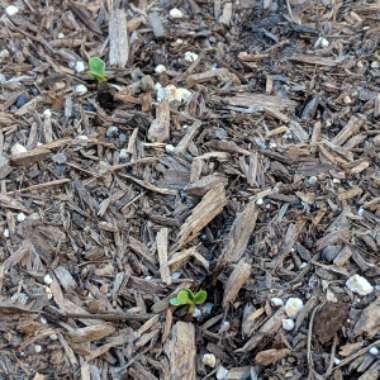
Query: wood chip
{"x": 271, "y": 356}
{"x": 209, "y": 207}
{"x": 236, "y": 281}
{"x": 162, "y": 249}
{"x": 237, "y": 239}
{"x": 159, "y": 130}
{"x": 182, "y": 352}
{"x": 118, "y": 35}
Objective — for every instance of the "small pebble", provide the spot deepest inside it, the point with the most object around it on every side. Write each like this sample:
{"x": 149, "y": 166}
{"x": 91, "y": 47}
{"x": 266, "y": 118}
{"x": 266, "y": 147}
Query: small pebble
{"x": 277, "y": 302}
{"x": 112, "y": 132}
{"x": 4, "y": 53}
{"x": 48, "y": 280}
{"x": 169, "y": 148}
{"x": 360, "y": 285}
{"x": 20, "y": 217}
{"x": 288, "y": 324}
{"x": 18, "y": 149}
{"x": 21, "y": 100}
{"x": 79, "y": 66}
{"x": 61, "y": 35}
{"x": 191, "y": 56}
{"x": 80, "y": 89}
{"x": 197, "y": 314}
{"x": 375, "y": 65}
{"x": 347, "y": 100}
{"x": 374, "y": 351}
{"x": 293, "y": 306}
{"x": 123, "y": 154}
{"x": 11, "y": 10}
{"x": 59, "y": 158}
{"x": 209, "y": 360}
{"x": 221, "y": 373}
{"x": 53, "y": 337}
{"x": 43, "y": 320}
{"x": 176, "y": 13}
{"x": 207, "y": 308}
{"x": 48, "y": 292}
{"x": 322, "y": 42}
{"x": 159, "y": 69}
{"x": 47, "y": 113}
{"x": 37, "y": 348}
{"x": 122, "y": 138}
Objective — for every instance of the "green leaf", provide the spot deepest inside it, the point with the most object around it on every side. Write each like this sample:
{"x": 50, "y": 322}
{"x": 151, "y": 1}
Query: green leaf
{"x": 200, "y": 297}
{"x": 185, "y": 297}
{"x": 174, "y": 301}
{"x": 97, "y": 68}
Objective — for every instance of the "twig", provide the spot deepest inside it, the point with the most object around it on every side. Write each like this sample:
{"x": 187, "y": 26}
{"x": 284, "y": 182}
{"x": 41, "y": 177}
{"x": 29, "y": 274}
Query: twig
{"x": 40, "y": 186}
{"x": 309, "y": 340}
{"x": 332, "y": 356}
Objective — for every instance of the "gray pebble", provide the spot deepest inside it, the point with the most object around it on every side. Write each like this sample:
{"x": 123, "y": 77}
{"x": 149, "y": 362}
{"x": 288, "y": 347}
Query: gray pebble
{"x": 329, "y": 253}
{"x": 112, "y": 132}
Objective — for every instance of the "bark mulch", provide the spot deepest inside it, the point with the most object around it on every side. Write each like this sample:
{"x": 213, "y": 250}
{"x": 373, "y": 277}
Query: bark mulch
{"x": 234, "y": 148}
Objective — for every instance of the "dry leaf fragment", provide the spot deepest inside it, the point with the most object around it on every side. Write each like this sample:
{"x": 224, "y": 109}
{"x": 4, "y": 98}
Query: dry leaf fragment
{"x": 329, "y": 320}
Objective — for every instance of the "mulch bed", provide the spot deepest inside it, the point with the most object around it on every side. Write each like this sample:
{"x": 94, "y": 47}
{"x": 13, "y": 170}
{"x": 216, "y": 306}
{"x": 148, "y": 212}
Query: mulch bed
{"x": 234, "y": 148}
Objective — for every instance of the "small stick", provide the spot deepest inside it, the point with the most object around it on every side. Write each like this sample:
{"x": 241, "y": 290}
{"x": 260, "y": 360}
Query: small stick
{"x": 40, "y": 186}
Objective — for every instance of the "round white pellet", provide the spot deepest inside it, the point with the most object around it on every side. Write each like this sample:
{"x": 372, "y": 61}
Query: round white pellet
{"x": 176, "y": 13}
{"x": 209, "y": 360}
{"x": 288, "y": 324}
{"x": 79, "y": 66}
{"x": 20, "y": 217}
{"x": 80, "y": 89}
{"x": 11, "y": 10}
{"x": 159, "y": 69}
{"x": 277, "y": 302}
{"x": 48, "y": 280}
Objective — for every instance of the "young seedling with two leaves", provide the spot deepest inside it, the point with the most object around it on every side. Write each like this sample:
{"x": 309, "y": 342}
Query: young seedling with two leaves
{"x": 187, "y": 297}
{"x": 97, "y": 69}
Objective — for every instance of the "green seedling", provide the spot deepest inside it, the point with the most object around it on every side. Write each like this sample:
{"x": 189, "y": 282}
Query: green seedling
{"x": 97, "y": 69}
{"x": 187, "y": 297}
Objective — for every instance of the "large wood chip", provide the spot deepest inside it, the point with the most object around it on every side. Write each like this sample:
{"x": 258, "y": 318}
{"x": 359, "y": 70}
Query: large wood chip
{"x": 206, "y": 76}
{"x": 91, "y": 333}
{"x": 211, "y": 205}
{"x": 259, "y": 101}
{"x": 236, "y": 281}
{"x": 159, "y": 130}
{"x": 205, "y": 184}
{"x": 270, "y": 327}
{"x": 271, "y": 356}
{"x": 118, "y": 36}
{"x": 30, "y": 157}
{"x": 183, "y": 352}
{"x": 352, "y": 127}
{"x": 315, "y": 60}
{"x": 369, "y": 321}
{"x": 237, "y": 239}
{"x": 156, "y": 25}
{"x": 162, "y": 249}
